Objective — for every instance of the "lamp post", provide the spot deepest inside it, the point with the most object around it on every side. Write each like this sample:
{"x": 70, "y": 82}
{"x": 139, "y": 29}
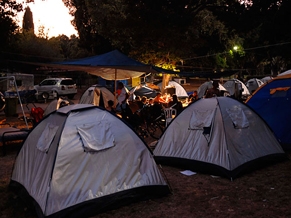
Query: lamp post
{"x": 237, "y": 54}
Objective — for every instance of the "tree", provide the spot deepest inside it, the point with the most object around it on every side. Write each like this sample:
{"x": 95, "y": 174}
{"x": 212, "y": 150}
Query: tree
{"x": 264, "y": 26}
{"x": 199, "y": 33}
{"x": 170, "y": 29}
{"x": 27, "y": 23}
{"x": 8, "y": 10}
{"x": 89, "y": 37}
{"x": 28, "y": 47}
{"x": 69, "y": 47}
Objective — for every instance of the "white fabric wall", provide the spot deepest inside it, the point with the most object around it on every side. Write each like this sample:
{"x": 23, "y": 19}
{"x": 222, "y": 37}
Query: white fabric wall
{"x": 229, "y": 147}
{"x": 79, "y": 176}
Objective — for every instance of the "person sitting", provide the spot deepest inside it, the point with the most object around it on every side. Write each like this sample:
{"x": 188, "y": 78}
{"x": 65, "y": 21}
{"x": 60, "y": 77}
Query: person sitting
{"x": 214, "y": 91}
{"x": 144, "y": 101}
{"x": 151, "y": 102}
{"x": 137, "y": 98}
{"x": 176, "y": 104}
{"x": 122, "y": 98}
{"x": 138, "y": 101}
{"x": 110, "y": 106}
{"x": 193, "y": 97}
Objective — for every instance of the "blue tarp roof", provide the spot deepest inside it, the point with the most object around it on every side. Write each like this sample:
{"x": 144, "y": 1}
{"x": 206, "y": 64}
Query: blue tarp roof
{"x": 115, "y": 65}
{"x": 112, "y": 65}
{"x": 111, "y": 59}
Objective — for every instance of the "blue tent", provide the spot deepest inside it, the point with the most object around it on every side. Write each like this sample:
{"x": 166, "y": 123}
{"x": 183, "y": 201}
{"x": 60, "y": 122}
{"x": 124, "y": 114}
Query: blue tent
{"x": 113, "y": 65}
{"x": 272, "y": 102}
{"x": 144, "y": 91}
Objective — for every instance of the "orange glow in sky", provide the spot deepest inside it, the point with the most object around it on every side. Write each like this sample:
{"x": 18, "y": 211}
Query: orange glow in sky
{"x": 52, "y": 14}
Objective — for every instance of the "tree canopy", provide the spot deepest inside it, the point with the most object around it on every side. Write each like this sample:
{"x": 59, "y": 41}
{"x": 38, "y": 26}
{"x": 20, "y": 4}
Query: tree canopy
{"x": 251, "y": 36}
{"x": 27, "y": 23}
{"x": 8, "y": 10}
{"x": 24, "y": 45}
{"x": 200, "y": 33}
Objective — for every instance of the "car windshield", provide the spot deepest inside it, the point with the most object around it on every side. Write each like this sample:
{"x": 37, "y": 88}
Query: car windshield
{"x": 48, "y": 82}
{"x": 67, "y": 82}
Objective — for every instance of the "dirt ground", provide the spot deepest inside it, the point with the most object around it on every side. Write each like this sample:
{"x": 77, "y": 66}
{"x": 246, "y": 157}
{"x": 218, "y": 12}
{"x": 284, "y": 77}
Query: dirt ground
{"x": 261, "y": 193}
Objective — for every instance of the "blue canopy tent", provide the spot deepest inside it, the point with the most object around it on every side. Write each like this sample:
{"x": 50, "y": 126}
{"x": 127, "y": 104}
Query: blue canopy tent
{"x": 113, "y": 65}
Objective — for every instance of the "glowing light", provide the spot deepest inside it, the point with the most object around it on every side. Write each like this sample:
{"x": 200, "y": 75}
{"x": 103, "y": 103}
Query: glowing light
{"x": 52, "y": 14}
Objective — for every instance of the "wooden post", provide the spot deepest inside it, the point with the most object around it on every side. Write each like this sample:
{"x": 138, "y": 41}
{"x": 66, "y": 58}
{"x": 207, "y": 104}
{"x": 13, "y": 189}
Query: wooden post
{"x": 165, "y": 81}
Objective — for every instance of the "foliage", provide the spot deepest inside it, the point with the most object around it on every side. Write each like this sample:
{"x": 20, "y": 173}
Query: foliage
{"x": 42, "y": 33}
{"x": 185, "y": 33}
{"x": 8, "y": 10}
{"x": 155, "y": 30}
{"x": 24, "y": 45}
{"x": 69, "y": 47}
{"x": 28, "y": 47}
{"x": 27, "y": 24}
{"x": 263, "y": 26}
{"x": 89, "y": 38}
{"x": 177, "y": 34}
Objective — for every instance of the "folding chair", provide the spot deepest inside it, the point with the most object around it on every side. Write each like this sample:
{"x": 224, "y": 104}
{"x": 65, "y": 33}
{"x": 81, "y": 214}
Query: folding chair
{"x": 170, "y": 113}
{"x": 8, "y": 134}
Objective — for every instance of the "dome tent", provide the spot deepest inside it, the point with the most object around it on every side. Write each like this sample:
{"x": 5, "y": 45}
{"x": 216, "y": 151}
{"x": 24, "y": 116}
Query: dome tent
{"x": 85, "y": 160}
{"x": 287, "y": 72}
{"x": 266, "y": 79}
{"x": 253, "y": 84}
{"x": 179, "y": 90}
{"x": 56, "y": 104}
{"x": 144, "y": 91}
{"x": 221, "y": 136}
{"x": 97, "y": 95}
{"x": 237, "y": 89}
{"x": 201, "y": 91}
{"x": 272, "y": 102}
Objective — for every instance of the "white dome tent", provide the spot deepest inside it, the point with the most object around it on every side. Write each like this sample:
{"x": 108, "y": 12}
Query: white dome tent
{"x": 253, "y": 84}
{"x": 266, "y": 79}
{"x": 82, "y": 160}
{"x": 220, "y": 136}
{"x": 56, "y": 104}
{"x": 237, "y": 89}
{"x": 285, "y": 73}
{"x": 180, "y": 91}
{"x": 201, "y": 91}
{"x": 97, "y": 95}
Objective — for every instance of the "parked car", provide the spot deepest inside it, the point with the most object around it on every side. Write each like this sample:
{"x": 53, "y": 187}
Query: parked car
{"x": 55, "y": 87}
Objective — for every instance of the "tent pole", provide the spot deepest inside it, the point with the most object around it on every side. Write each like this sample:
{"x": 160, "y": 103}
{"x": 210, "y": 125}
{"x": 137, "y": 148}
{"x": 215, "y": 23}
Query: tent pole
{"x": 19, "y": 99}
{"x": 24, "y": 117}
{"x": 115, "y": 77}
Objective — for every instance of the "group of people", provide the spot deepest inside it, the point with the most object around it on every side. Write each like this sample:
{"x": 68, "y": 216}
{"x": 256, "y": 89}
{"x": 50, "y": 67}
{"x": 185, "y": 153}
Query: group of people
{"x": 210, "y": 92}
{"x": 143, "y": 105}
{"x": 168, "y": 101}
